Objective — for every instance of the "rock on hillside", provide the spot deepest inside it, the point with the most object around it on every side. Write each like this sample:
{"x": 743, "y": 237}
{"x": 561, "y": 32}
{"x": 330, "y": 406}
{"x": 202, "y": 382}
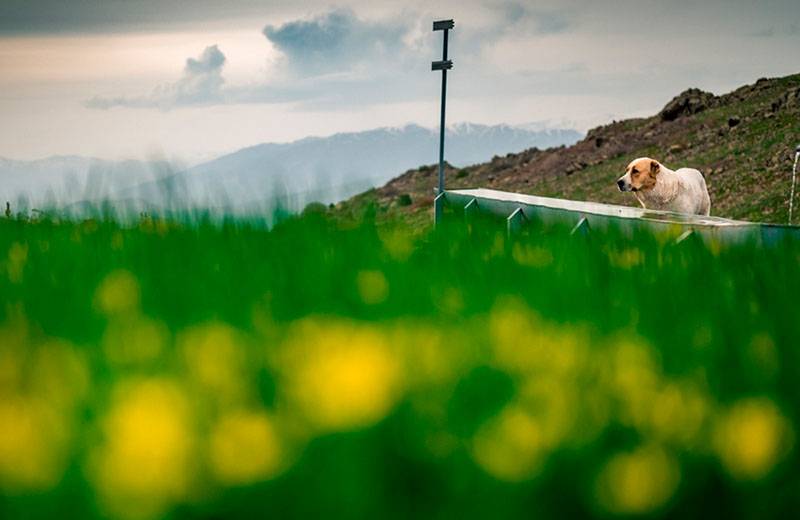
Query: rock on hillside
{"x": 742, "y": 141}
{"x": 690, "y": 102}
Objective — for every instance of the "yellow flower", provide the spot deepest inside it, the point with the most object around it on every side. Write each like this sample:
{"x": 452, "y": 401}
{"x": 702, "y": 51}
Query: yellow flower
{"x": 134, "y": 340}
{"x": 633, "y": 371}
{"x": 117, "y": 241}
{"x": 512, "y": 446}
{"x": 372, "y": 287}
{"x": 554, "y": 405}
{"x": 341, "y": 376}
{"x": 430, "y": 359}
{"x": 58, "y": 374}
{"x": 40, "y": 386}
{"x": 398, "y": 242}
{"x": 244, "y": 448}
{"x": 145, "y": 463}
{"x": 216, "y": 359}
{"x": 33, "y": 444}
{"x": 531, "y": 256}
{"x": 13, "y": 347}
{"x": 751, "y": 437}
{"x": 627, "y": 258}
{"x": 678, "y": 412}
{"x": 638, "y": 482}
{"x": 762, "y": 356}
{"x": 118, "y": 294}
{"x": 522, "y": 342}
{"x": 17, "y": 258}
{"x": 449, "y": 300}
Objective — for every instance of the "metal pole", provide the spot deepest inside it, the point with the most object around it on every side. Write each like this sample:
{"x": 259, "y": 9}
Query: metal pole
{"x": 441, "y": 120}
{"x": 444, "y": 66}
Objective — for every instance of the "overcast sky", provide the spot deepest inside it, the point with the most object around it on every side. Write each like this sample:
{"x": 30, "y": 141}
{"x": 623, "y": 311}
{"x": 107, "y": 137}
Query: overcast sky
{"x": 193, "y": 79}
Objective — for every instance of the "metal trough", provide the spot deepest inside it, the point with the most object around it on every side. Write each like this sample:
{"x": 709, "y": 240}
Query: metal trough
{"x": 518, "y": 209}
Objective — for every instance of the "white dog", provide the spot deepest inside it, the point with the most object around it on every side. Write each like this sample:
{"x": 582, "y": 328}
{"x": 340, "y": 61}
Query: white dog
{"x": 658, "y": 187}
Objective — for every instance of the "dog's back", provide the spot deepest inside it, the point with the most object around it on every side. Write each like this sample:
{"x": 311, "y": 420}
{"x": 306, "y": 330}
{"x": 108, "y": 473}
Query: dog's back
{"x": 695, "y": 193}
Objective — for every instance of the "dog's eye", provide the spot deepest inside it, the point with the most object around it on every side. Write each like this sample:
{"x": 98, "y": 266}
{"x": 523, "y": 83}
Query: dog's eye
{"x": 634, "y": 171}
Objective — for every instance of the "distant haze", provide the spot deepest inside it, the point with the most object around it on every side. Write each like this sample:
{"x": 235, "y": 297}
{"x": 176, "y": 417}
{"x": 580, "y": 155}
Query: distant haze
{"x": 312, "y": 169}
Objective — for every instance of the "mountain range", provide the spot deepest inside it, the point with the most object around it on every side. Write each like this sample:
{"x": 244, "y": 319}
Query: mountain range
{"x": 324, "y": 169}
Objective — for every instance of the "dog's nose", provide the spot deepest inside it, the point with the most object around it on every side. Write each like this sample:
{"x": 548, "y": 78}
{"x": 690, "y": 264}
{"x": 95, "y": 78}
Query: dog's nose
{"x": 621, "y": 185}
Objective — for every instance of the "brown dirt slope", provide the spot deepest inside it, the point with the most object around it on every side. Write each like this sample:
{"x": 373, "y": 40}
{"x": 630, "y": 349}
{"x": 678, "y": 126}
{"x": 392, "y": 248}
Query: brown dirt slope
{"x": 743, "y": 142}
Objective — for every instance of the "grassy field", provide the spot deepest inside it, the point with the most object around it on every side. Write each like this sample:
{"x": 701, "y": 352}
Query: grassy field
{"x": 197, "y": 369}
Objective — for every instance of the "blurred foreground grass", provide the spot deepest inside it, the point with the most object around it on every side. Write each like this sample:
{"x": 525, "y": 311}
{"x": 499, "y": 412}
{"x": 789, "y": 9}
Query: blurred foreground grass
{"x": 326, "y": 368}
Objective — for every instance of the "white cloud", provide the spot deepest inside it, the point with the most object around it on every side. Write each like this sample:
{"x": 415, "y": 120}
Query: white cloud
{"x": 201, "y": 84}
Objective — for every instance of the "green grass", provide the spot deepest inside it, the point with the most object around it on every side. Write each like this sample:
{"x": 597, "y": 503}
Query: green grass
{"x": 337, "y": 367}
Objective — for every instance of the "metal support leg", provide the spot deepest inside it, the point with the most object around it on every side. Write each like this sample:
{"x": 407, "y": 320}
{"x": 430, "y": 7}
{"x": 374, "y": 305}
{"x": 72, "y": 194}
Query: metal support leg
{"x": 514, "y": 222}
{"x": 470, "y": 210}
{"x": 581, "y": 228}
{"x": 684, "y": 237}
{"x": 438, "y": 208}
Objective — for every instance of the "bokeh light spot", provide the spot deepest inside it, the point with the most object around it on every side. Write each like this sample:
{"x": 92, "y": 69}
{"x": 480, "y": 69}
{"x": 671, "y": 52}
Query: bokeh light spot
{"x": 372, "y": 287}
{"x": 244, "y": 448}
{"x": 751, "y": 437}
{"x": 638, "y": 482}
{"x": 512, "y": 446}
{"x": 118, "y": 293}
{"x": 342, "y": 375}
{"x": 145, "y": 462}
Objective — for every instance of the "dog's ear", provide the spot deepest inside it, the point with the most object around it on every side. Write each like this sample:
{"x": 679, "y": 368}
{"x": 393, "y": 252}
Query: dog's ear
{"x": 655, "y": 167}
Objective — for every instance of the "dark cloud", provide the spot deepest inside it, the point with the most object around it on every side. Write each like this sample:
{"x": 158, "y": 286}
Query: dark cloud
{"x": 200, "y": 84}
{"x": 20, "y": 17}
{"x": 336, "y": 41}
{"x": 88, "y": 16}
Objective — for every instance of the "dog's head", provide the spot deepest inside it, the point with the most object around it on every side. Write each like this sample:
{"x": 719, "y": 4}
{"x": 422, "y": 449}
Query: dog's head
{"x": 641, "y": 174}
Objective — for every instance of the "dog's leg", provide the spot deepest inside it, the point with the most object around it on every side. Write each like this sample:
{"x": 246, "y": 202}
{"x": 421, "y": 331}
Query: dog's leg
{"x": 640, "y": 200}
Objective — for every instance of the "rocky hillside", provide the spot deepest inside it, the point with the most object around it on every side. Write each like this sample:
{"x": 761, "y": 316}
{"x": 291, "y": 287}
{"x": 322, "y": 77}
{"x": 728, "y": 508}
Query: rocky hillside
{"x": 743, "y": 142}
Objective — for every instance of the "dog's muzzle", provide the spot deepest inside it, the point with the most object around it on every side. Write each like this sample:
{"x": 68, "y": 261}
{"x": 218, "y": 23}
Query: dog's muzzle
{"x": 621, "y": 185}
